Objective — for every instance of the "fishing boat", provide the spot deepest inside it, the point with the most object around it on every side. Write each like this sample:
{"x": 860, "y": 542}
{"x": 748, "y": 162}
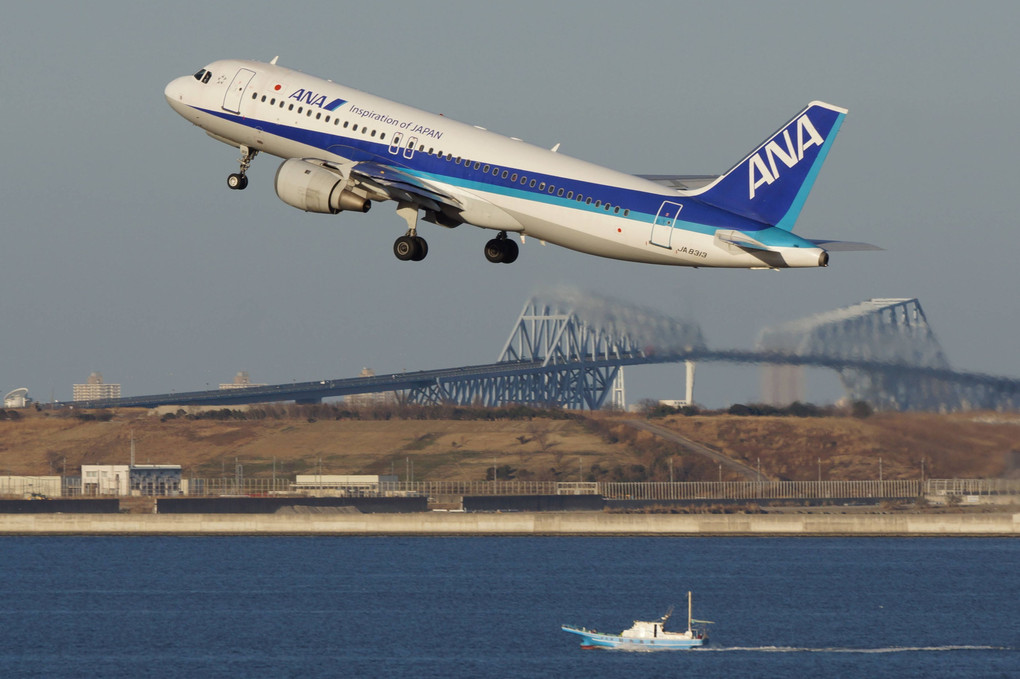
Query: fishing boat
{"x": 646, "y": 635}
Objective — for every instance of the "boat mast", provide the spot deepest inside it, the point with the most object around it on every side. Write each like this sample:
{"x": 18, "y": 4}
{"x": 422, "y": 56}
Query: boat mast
{"x": 688, "y": 611}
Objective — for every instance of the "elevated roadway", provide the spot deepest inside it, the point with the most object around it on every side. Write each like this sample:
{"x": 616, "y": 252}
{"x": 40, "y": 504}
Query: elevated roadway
{"x": 445, "y": 381}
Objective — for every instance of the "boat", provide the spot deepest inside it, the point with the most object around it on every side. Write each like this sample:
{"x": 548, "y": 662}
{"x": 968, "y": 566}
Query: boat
{"x": 646, "y": 635}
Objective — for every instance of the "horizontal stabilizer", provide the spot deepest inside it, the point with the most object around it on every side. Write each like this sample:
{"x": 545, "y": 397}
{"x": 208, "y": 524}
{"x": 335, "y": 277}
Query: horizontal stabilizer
{"x": 845, "y": 246}
{"x": 740, "y": 240}
{"x": 681, "y": 182}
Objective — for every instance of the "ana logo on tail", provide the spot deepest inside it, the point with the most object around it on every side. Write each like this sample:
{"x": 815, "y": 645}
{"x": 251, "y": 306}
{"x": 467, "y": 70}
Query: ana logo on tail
{"x": 763, "y": 169}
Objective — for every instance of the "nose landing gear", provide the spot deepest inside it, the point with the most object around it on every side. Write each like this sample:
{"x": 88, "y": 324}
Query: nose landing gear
{"x": 239, "y": 180}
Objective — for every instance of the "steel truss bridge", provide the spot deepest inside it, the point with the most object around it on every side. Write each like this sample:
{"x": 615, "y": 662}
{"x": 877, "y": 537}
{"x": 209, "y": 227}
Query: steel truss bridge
{"x": 568, "y": 349}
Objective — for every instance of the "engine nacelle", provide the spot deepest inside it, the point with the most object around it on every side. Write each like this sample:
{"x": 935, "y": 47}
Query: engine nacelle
{"x": 313, "y": 188}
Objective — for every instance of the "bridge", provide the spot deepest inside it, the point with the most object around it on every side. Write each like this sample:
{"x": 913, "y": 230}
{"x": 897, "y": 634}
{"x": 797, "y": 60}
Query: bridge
{"x": 568, "y": 349}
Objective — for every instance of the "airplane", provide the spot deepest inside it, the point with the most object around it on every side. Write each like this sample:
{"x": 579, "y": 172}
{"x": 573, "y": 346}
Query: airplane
{"x": 343, "y": 149}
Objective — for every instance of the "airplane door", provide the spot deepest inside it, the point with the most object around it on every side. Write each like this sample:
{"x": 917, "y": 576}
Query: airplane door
{"x": 662, "y": 227}
{"x": 232, "y": 99}
{"x": 409, "y": 151}
{"x": 395, "y": 143}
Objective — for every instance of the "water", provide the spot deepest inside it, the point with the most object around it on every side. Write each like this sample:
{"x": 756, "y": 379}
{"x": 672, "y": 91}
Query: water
{"x": 492, "y": 607}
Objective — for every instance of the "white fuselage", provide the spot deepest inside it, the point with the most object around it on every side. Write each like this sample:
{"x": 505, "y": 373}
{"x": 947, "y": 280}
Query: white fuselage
{"x": 516, "y": 186}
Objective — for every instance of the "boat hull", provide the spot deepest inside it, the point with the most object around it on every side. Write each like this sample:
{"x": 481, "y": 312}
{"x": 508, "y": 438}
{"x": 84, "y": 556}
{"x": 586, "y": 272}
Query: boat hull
{"x": 591, "y": 639}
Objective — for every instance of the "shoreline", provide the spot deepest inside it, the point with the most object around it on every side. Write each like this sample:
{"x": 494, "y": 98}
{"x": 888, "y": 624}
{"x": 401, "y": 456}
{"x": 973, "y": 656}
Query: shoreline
{"x": 579, "y": 524}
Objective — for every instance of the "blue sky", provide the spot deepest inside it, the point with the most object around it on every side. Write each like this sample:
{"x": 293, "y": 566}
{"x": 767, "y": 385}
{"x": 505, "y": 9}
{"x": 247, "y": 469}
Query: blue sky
{"x": 124, "y": 252}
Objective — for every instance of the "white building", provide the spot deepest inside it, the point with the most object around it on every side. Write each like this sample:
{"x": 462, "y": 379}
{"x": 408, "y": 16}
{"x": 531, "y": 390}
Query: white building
{"x": 16, "y": 399}
{"x": 338, "y": 484}
{"x": 241, "y": 381}
{"x": 95, "y": 389}
{"x": 105, "y": 479}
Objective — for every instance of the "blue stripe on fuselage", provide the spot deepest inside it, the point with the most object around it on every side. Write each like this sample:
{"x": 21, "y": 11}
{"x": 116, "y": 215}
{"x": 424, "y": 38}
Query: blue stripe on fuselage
{"x": 643, "y": 206}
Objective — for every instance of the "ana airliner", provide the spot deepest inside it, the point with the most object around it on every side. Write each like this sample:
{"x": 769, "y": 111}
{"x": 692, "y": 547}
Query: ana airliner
{"x": 343, "y": 149}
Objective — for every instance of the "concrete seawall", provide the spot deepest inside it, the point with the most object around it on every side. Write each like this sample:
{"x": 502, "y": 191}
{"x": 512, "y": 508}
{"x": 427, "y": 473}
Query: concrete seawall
{"x": 517, "y": 524}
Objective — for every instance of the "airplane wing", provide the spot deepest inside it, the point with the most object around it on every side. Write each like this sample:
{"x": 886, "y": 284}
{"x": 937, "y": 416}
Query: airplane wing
{"x": 681, "y": 182}
{"x": 402, "y": 186}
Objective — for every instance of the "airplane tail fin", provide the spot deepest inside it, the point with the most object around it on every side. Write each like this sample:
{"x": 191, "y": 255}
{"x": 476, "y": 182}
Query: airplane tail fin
{"x": 771, "y": 184}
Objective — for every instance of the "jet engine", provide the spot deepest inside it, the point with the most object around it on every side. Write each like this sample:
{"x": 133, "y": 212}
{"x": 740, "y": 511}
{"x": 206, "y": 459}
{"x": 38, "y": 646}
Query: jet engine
{"x": 314, "y": 188}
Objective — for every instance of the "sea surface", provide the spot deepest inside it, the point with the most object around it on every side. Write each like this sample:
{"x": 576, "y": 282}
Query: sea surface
{"x": 492, "y": 607}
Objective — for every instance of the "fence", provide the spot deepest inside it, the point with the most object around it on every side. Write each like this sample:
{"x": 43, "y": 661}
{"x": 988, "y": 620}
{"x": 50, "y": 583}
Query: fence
{"x": 765, "y": 490}
{"x": 961, "y": 487}
{"x": 691, "y": 490}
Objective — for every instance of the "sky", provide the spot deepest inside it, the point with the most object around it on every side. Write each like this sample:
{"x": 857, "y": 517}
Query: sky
{"x": 123, "y": 251}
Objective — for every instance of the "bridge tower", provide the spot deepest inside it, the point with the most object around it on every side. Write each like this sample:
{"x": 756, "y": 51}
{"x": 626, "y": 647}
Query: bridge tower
{"x": 568, "y": 347}
{"x": 892, "y": 336}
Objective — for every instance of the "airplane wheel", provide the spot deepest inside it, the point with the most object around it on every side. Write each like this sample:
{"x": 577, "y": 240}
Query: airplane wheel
{"x": 421, "y": 249}
{"x": 237, "y": 181}
{"x": 510, "y": 251}
{"x": 405, "y": 248}
{"x": 494, "y": 251}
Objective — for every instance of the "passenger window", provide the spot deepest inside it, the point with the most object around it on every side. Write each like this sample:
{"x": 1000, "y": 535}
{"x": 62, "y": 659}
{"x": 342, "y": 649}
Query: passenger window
{"x": 513, "y": 177}
{"x": 477, "y": 165}
{"x": 318, "y": 116}
{"x": 532, "y": 184}
{"x": 382, "y": 136}
{"x": 541, "y": 187}
{"x": 254, "y": 96}
{"x": 354, "y": 128}
{"x": 291, "y": 107}
{"x": 570, "y": 195}
{"x": 560, "y": 192}
{"x": 485, "y": 169}
{"x": 300, "y": 109}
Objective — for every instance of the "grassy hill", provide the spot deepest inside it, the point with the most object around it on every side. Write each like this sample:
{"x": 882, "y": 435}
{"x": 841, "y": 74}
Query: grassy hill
{"x": 464, "y": 443}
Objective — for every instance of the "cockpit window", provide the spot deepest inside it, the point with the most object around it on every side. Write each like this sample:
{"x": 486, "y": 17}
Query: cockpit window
{"x": 203, "y": 76}
{"x": 198, "y": 76}
{"x": 208, "y": 74}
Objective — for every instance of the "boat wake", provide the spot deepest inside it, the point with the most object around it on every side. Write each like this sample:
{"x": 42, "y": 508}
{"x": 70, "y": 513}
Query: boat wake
{"x": 889, "y": 649}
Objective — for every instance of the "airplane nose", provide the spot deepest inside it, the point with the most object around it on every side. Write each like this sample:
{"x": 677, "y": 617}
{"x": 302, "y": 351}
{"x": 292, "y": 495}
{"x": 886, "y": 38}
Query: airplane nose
{"x": 174, "y": 94}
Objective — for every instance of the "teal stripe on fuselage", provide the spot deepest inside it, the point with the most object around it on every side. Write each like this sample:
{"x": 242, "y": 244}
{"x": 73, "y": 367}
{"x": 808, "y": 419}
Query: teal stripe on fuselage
{"x": 643, "y": 206}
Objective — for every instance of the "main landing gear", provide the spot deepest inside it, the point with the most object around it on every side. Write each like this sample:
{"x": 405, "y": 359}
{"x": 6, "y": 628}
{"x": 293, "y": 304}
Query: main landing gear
{"x": 501, "y": 249}
{"x": 412, "y": 248}
{"x": 239, "y": 180}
